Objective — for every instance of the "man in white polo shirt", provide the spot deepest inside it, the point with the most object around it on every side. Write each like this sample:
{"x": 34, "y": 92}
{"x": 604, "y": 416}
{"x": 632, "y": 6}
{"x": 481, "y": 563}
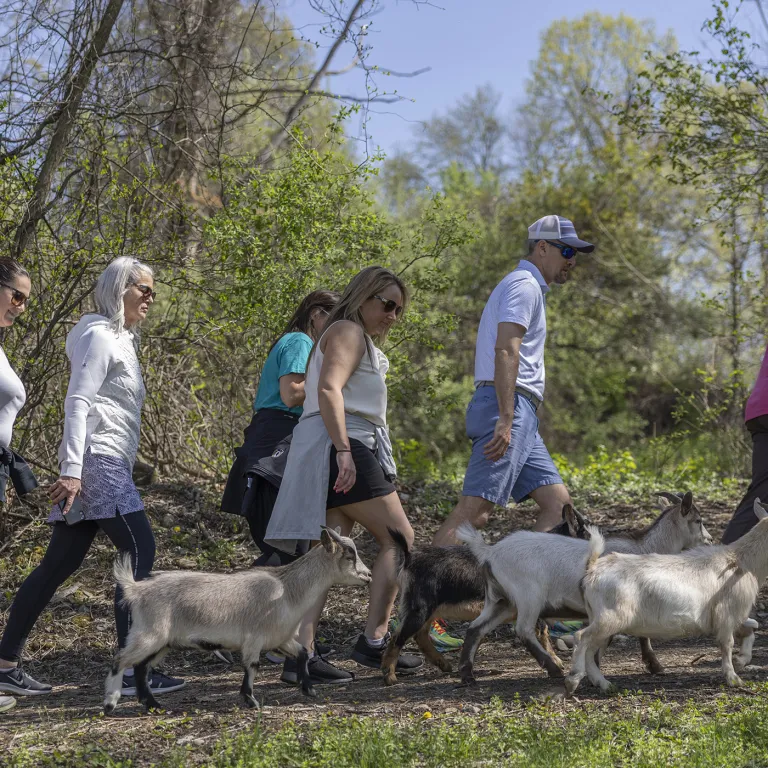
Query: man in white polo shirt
{"x": 509, "y": 458}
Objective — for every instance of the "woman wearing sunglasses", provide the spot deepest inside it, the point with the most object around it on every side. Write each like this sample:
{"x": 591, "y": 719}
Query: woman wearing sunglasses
{"x": 102, "y": 418}
{"x": 340, "y": 466}
{"x": 14, "y": 295}
{"x": 277, "y": 407}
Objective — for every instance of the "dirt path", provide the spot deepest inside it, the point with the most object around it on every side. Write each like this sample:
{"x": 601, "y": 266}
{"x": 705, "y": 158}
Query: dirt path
{"x": 72, "y": 647}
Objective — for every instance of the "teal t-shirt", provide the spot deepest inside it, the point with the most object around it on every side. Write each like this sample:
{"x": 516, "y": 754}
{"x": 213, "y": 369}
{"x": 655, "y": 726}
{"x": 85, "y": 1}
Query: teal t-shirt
{"x": 289, "y": 355}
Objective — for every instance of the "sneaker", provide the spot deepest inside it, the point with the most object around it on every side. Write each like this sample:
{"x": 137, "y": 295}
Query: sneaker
{"x": 442, "y": 641}
{"x": 17, "y": 681}
{"x": 321, "y": 672}
{"x": 275, "y": 657}
{"x": 6, "y": 703}
{"x": 158, "y": 683}
{"x": 368, "y": 656}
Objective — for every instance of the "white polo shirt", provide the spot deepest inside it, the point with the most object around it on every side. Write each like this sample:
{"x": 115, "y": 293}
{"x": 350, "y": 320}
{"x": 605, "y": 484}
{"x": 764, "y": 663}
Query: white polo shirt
{"x": 518, "y": 298}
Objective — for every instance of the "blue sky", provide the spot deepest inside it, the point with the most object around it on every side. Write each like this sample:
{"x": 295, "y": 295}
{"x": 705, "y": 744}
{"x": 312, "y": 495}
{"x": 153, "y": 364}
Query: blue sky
{"x": 471, "y": 42}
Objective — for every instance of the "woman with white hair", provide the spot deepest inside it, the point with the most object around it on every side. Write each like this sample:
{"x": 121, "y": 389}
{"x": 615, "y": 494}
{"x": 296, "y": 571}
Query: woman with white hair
{"x": 95, "y": 490}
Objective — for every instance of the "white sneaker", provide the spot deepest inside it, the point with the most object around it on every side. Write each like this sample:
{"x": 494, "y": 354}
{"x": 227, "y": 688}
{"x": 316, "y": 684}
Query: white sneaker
{"x": 6, "y": 703}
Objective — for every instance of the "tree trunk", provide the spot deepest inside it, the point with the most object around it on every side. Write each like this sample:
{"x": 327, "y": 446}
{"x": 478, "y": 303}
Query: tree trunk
{"x": 69, "y": 108}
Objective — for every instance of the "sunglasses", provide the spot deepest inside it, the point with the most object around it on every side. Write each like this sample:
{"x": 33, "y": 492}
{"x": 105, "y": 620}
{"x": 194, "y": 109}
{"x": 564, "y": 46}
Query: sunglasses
{"x": 389, "y": 305}
{"x": 568, "y": 251}
{"x": 146, "y": 291}
{"x": 18, "y": 299}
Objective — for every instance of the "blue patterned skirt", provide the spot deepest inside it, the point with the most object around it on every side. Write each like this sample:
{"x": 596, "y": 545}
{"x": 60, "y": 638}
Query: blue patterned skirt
{"x": 107, "y": 489}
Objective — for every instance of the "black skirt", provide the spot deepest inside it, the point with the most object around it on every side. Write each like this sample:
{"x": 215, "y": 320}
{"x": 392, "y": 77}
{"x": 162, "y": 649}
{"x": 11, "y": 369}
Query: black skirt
{"x": 267, "y": 428}
{"x": 370, "y": 483}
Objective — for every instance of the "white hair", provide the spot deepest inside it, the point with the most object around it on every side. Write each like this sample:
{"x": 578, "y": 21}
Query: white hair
{"x": 113, "y": 282}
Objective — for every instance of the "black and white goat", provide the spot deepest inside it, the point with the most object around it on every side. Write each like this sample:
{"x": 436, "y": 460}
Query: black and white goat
{"x": 447, "y": 582}
{"x": 532, "y": 575}
{"x": 250, "y": 611}
{"x": 704, "y": 591}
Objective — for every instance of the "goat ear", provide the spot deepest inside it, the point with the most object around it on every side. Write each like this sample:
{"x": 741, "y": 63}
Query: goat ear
{"x": 567, "y": 510}
{"x": 569, "y": 515}
{"x": 334, "y": 533}
{"x": 761, "y": 511}
{"x": 686, "y": 504}
{"x": 328, "y": 542}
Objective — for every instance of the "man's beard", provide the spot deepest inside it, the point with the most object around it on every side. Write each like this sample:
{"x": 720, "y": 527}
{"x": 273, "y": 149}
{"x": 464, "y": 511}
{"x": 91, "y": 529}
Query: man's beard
{"x": 562, "y": 277}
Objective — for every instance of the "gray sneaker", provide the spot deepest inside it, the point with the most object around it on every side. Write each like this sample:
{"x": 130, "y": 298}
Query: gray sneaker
{"x": 6, "y": 703}
{"x": 17, "y": 681}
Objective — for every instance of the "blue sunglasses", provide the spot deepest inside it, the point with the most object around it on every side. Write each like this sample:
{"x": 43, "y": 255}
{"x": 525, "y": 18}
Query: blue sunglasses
{"x": 568, "y": 251}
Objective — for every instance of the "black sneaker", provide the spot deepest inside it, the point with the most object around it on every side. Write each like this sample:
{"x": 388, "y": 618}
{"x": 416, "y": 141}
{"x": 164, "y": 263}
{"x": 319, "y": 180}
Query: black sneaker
{"x": 368, "y": 656}
{"x": 17, "y": 681}
{"x": 321, "y": 672}
{"x": 158, "y": 683}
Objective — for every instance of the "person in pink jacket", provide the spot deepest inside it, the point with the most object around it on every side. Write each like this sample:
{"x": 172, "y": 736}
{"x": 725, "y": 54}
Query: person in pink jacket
{"x": 756, "y": 416}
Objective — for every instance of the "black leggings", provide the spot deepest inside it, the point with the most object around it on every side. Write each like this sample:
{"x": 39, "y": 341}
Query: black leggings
{"x": 744, "y": 518}
{"x": 66, "y": 551}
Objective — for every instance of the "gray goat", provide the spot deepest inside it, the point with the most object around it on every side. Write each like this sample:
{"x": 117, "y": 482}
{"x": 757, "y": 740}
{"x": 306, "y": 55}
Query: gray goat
{"x": 705, "y": 591}
{"x": 248, "y": 611}
{"x": 534, "y": 574}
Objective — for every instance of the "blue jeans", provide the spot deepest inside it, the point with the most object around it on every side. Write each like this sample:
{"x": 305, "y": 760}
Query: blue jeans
{"x": 524, "y": 467}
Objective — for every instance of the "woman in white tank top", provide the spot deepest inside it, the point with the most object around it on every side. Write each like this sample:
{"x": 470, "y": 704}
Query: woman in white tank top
{"x": 346, "y": 388}
{"x": 14, "y": 295}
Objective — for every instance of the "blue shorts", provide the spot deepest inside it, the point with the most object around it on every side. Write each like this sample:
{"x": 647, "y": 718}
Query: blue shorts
{"x": 525, "y": 466}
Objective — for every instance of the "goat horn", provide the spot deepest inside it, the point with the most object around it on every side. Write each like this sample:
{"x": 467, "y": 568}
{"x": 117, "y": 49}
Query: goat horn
{"x": 673, "y": 497}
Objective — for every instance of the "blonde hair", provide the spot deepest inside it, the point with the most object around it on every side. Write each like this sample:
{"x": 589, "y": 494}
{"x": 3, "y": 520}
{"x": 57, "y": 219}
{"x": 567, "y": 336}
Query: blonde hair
{"x": 363, "y": 286}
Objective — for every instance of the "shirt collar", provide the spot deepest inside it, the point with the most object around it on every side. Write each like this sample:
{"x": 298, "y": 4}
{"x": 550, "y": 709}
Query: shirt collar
{"x": 528, "y": 266}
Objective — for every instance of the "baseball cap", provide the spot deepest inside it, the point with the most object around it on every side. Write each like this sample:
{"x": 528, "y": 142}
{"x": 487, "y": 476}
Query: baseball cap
{"x": 558, "y": 228}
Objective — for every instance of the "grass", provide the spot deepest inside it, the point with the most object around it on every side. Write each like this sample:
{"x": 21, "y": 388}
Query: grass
{"x": 730, "y": 731}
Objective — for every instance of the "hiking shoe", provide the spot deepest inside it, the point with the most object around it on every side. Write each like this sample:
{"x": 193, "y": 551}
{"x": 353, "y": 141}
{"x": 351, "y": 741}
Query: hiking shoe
{"x": 442, "y": 641}
{"x": 321, "y": 672}
{"x": 275, "y": 657}
{"x": 158, "y": 683}
{"x": 17, "y": 681}
{"x": 6, "y": 703}
{"x": 368, "y": 656}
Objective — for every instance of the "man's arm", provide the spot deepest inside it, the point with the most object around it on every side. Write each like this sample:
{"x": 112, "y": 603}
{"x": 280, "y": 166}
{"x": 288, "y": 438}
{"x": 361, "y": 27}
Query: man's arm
{"x": 509, "y": 336}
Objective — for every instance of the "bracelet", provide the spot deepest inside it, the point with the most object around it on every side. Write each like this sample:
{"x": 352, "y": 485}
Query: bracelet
{"x": 343, "y": 450}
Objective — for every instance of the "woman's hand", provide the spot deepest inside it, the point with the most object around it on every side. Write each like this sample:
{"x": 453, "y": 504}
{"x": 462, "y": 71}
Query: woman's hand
{"x": 65, "y": 488}
{"x": 347, "y": 472}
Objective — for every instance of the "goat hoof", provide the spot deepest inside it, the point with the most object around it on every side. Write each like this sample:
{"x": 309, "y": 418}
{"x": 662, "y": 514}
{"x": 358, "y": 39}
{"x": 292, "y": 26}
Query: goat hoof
{"x": 734, "y": 681}
{"x": 654, "y": 668}
{"x": 250, "y": 702}
{"x": 390, "y": 679}
{"x": 555, "y": 672}
{"x": 109, "y": 709}
{"x": 151, "y": 705}
{"x": 443, "y": 665}
{"x": 469, "y": 681}
{"x": 570, "y": 686}
{"x": 310, "y": 691}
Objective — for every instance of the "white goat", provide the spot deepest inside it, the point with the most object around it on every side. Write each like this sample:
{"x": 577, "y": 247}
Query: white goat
{"x": 706, "y": 591}
{"x": 529, "y": 575}
{"x": 250, "y": 611}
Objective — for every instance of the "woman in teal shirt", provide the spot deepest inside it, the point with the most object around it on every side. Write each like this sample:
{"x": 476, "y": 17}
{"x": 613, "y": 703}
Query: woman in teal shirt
{"x": 277, "y": 407}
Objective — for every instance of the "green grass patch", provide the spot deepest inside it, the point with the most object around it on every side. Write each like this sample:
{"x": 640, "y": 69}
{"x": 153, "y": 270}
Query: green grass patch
{"x": 631, "y": 730}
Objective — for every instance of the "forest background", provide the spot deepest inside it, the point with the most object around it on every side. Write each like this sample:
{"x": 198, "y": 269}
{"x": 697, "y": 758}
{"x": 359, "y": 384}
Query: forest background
{"x": 207, "y": 138}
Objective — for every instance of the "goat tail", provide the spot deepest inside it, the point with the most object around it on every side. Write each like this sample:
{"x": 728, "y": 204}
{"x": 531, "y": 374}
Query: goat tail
{"x": 596, "y": 547}
{"x": 123, "y": 571}
{"x": 467, "y": 533}
{"x": 402, "y": 548}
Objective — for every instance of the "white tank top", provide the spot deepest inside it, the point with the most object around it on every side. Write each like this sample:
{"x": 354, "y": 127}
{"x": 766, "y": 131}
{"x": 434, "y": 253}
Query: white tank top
{"x": 365, "y": 394}
{"x": 12, "y": 397}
